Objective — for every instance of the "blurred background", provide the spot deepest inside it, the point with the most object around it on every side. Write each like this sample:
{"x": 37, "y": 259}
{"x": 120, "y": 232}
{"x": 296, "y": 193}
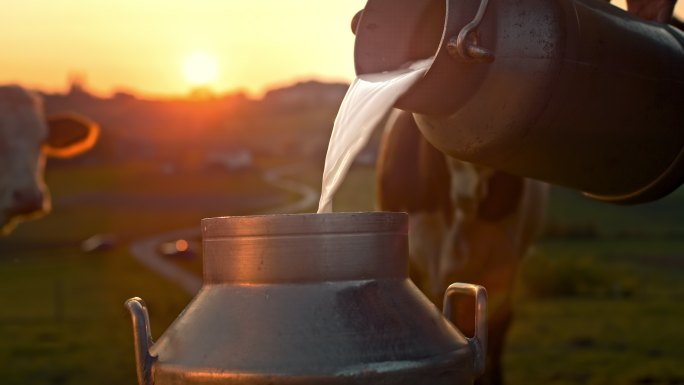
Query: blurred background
{"x": 212, "y": 108}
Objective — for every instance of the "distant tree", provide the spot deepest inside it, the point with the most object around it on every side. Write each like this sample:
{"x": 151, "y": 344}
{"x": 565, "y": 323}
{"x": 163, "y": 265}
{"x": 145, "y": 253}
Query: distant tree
{"x": 77, "y": 87}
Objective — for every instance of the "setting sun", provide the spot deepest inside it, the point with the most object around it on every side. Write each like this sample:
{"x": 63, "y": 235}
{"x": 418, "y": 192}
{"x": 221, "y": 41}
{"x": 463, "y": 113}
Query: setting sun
{"x": 200, "y": 68}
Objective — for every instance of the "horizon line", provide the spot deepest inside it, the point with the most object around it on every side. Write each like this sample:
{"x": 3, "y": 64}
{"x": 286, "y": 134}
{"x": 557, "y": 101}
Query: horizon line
{"x": 218, "y": 93}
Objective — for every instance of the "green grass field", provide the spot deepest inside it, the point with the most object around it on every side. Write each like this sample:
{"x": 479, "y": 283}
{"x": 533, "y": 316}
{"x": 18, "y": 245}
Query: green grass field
{"x": 610, "y": 315}
{"x": 613, "y": 316}
{"x": 62, "y": 319}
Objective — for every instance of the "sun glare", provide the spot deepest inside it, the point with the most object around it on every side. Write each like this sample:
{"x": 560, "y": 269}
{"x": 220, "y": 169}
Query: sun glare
{"x": 200, "y": 68}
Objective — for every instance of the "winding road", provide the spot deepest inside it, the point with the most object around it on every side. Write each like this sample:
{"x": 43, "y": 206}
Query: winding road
{"x": 145, "y": 250}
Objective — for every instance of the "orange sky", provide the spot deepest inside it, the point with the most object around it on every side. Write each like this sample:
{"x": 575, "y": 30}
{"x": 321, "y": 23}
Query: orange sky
{"x": 140, "y": 45}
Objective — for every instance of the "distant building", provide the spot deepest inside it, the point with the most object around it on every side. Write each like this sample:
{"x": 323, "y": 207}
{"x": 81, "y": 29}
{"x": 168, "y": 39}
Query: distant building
{"x": 235, "y": 160}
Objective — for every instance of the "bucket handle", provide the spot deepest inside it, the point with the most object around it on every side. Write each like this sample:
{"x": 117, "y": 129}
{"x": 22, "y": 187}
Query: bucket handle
{"x": 467, "y": 43}
{"x": 479, "y": 341}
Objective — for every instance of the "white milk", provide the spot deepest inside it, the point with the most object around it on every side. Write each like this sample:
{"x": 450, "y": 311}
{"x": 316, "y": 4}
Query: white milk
{"x": 368, "y": 99}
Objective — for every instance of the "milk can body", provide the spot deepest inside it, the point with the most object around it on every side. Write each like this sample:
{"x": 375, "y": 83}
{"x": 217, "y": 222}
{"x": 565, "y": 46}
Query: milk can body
{"x": 579, "y": 93}
{"x": 309, "y": 299}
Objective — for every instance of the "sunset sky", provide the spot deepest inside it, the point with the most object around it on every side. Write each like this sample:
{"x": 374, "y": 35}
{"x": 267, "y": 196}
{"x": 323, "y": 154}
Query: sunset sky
{"x": 153, "y": 46}
{"x": 142, "y": 44}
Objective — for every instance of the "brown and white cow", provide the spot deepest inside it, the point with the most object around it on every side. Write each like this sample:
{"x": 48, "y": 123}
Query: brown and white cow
{"x": 468, "y": 223}
{"x": 26, "y": 138}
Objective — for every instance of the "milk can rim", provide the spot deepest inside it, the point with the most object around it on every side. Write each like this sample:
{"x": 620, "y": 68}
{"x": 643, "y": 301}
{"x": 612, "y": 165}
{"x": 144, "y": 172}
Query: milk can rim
{"x": 305, "y": 223}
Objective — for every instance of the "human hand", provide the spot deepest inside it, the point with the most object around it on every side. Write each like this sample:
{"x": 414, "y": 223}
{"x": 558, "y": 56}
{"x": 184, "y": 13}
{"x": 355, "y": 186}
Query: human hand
{"x": 655, "y": 10}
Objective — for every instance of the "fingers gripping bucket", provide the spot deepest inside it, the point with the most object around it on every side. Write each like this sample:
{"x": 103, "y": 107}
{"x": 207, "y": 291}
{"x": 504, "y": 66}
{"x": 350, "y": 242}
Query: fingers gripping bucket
{"x": 310, "y": 299}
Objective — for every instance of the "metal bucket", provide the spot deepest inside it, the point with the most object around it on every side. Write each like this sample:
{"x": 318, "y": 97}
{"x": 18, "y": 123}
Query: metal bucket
{"x": 310, "y": 299}
{"x": 573, "y": 92}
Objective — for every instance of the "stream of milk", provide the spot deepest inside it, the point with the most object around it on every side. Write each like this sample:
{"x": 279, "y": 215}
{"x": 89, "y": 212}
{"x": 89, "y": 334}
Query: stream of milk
{"x": 368, "y": 99}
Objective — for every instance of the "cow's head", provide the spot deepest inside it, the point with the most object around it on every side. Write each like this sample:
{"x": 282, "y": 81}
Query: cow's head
{"x": 26, "y": 138}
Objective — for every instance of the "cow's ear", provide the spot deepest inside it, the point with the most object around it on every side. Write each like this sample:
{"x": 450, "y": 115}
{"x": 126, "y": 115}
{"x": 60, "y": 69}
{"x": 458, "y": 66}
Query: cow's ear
{"x": 69, "y": 135}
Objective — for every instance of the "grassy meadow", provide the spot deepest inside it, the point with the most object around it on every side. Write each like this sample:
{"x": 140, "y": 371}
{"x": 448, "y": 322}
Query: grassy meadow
{"x": 62, "y": 319}
{"x": 600, "y": 300}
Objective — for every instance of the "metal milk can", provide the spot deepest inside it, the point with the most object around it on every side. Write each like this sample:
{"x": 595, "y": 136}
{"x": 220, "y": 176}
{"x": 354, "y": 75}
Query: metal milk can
{"x": 310, "y": 299}
{"x": 574, "y": 92}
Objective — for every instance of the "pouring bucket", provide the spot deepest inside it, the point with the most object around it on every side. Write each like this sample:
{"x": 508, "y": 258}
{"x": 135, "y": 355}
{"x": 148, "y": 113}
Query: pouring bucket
{"x": 574, "y": 92}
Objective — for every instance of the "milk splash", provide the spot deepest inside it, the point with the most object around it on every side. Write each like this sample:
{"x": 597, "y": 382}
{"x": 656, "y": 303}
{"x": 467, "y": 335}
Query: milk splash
{"x": 368, "y": 99}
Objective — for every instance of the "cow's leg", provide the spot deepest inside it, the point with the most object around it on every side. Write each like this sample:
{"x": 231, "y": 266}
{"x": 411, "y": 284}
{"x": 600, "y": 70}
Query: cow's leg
{"x": 499, "y": 323}
{"x": 507, "y": 220}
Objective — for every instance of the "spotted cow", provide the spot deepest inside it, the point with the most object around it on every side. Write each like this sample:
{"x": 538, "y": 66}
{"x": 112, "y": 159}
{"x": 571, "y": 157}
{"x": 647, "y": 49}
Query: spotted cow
{"x": 27, "y": 137}
{"x": 468, "y": 223}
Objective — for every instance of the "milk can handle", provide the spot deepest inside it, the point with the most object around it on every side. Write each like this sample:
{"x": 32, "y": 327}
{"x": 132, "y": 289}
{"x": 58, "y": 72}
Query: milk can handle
{"x": 479, "y": 340}
{"x": 142, "y": 339}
